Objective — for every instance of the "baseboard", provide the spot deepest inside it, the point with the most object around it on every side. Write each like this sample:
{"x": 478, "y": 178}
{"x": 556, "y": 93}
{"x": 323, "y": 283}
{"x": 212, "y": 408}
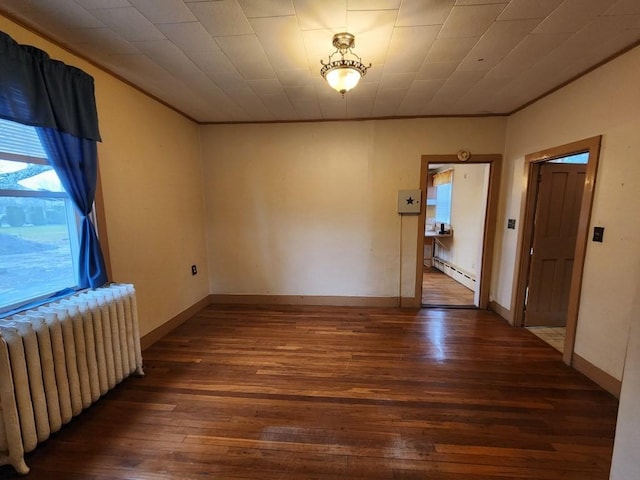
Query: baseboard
{"x": 337, "y": 301}
{"x": 154, "y": 335}
{"x": 602, "y": 378}
{"x": 500, "y": 310}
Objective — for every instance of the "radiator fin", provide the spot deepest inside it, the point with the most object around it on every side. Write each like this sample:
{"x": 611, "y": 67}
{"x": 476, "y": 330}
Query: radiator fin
{"x": 58, "y": 359}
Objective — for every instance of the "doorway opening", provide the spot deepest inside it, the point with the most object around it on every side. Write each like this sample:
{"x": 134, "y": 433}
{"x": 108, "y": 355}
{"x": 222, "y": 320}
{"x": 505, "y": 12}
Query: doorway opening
{"x": 441, "y": 277}
{"x": 454, "y": 227}
{"x": 557, "y": 210}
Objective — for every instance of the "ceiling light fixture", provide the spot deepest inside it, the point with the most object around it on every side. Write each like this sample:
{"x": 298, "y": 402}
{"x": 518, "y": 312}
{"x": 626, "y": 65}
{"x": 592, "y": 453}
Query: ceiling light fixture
{"x": 345, "y": 73}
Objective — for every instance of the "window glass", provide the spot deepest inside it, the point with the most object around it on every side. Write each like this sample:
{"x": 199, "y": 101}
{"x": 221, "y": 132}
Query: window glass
{"x": 582, "y": 158}
{"x": 443, "y": 204}
{"x": 38, "y": 224}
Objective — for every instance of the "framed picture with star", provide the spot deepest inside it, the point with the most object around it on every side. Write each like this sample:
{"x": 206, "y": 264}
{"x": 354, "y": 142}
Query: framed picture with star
{"x": 409, "y": 201}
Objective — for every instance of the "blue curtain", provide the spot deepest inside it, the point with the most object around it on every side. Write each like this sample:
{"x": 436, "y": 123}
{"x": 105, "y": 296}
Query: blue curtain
{"x": 75, "y": 161}
{"x": 36, "y": 90}
{"x": 59, "y": 100}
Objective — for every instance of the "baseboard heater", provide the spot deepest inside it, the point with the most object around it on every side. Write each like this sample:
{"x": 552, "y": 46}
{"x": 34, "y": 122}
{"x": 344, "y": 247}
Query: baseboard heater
{"x": 456, "y": 273}
{"x": 58, "y": 359}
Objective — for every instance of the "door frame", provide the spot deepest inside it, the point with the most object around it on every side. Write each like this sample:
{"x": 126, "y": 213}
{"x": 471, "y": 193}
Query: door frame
{"x": 495, "y": 165}
{"x": 531, "y": 169}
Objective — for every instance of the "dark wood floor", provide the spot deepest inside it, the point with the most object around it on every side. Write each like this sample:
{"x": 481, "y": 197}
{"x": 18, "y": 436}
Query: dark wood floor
{"x": 439, "y": 289}
{"x": 339, "y": 394}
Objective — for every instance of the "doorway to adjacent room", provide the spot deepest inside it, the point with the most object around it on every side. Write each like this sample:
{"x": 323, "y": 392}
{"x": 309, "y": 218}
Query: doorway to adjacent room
{"x": 555, "y": 224}
{"x": 433, "y": 242}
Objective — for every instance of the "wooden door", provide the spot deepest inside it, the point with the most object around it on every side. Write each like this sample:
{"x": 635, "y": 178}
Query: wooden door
{"x": 560, "y": 187}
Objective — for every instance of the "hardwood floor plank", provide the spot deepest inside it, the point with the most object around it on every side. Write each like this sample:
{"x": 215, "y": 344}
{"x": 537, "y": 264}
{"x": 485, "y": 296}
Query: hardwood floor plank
{"x": 441, "y": 290}
{"x": 292, "y": 393}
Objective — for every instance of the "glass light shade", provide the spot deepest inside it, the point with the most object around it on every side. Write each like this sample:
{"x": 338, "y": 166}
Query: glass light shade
{"x": 343, "y": 79}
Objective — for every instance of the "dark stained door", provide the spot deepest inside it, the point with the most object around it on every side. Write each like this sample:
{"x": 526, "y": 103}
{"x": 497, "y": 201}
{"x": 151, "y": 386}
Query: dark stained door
{"x": 560, "y": 188}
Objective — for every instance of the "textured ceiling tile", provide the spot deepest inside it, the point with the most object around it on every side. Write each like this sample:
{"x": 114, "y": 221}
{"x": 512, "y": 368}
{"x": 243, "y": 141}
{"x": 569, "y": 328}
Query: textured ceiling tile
{"x": 478, "y": 97}
{"x": 573, "y": 15}
{"x": 129, "y": 23}
{"x": 470, "y": 21}
{"x": 496, "y": 43}
{"x": 423, "y": 90}
{"x": 325, "y": 14}
{"x": 103, "y": 3}
{"x": 333, "y": 107}
{"x": 624, "y": 7}
{"x": 228, "y": 80}
{"x": 221, "y": 18}
{"x": 454, "y": 87}
{"x": 208, "y": 76}
{"x": 189, "y": 37}
{"x": 397, "y": 80}
{"x": 295, "y": 78}
{"x": 434, "y": 71}
{"x": 267, "y": 8}
{"x": 524, "y": 9}
{"x": 450, "y": 49}
{"x": 213, "y": 61}
{"x": 361, "y": 106}
{"x": 268, "y": 86}
{"x": 310, "y": 109}
{"x": 409, "y": 46}
{"x": 481, "y": 2}
{"x": 138, "y": 67}
{"x": 373, "y": 4}
{"x": 282, "y": 41}
{"x": 527, "y": 53}
{"x": 164, "y": 11}
{"x": 247, "y": 99}
{"x": 373, "y": 30}
{"x": 64, "y": 12}
{"x": 423, "y": 12}
{"x": 280, "y": 106}
{"x": 102, "y": 40}
{"x": 54, "y": 20}
{"x": 247, "y": 55}
{"x": 317, "y": 44}
{"x": 387, "y": 102}
{"x": 306, "y": 93}
{"x": 167, "y": 55}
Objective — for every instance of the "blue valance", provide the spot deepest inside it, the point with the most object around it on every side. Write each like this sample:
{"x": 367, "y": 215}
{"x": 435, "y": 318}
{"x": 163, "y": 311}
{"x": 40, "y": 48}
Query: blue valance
{"x": 36, "y": 90}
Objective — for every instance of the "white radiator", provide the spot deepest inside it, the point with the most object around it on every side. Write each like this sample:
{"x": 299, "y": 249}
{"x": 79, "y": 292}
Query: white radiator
{"x": 57, "y": 359}
{"x": 459, "y": 275}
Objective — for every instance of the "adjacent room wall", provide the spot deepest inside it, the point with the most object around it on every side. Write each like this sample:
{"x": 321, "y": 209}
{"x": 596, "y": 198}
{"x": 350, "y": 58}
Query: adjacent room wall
{"x": 604, "y": 102}
{"x": 468, "y": 206}
{"x": 311, "y": 208}
{"x": 151, "y": 172}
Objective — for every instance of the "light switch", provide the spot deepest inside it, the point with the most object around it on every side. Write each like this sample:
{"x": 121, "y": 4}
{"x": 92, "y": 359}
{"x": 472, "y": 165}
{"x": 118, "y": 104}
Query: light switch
{"x": 409, "y": 201}
{"x": 598, "y": 234}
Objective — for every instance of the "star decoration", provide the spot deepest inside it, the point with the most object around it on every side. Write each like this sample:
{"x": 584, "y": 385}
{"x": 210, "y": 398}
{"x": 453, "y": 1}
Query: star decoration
{"x": 410, "y": 201}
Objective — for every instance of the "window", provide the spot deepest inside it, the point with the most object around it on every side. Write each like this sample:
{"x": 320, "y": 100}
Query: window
{"x": 38, "y": 223}
{"x": 443, "y": 203}
{"x": 443, "y": 183}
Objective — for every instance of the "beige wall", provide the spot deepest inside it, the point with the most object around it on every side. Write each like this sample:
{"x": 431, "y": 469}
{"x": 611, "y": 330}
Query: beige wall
{"x": 626, "y": 463}
{"x": 151, "y": 179}
{"x": 311, "y": 208}
{"x": 605, "y": 102}
{"x": 468, "y": 205}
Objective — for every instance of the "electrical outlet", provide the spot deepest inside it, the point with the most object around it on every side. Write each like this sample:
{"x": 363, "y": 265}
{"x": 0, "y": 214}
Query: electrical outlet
{"x": 194, "y": 270}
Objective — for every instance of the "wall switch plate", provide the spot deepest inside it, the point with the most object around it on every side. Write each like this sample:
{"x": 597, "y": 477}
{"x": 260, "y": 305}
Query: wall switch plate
{"x": 511, "y": 223}
{"x": 598, "y": 234}
{"x": 409, "y": 201}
